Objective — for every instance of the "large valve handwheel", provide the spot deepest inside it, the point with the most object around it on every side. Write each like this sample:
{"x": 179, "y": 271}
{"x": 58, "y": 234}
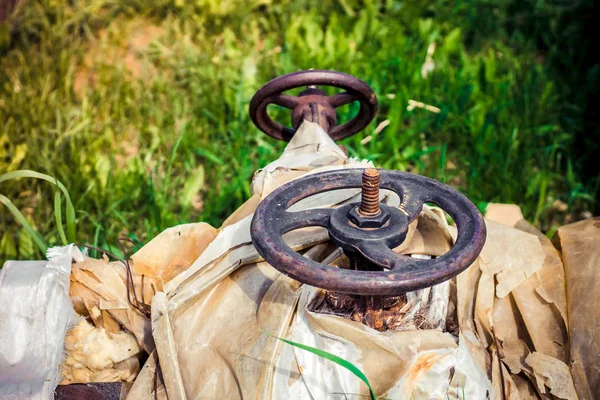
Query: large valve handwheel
{"x": 369, "y": 230}
{"x": 313, "y": 104}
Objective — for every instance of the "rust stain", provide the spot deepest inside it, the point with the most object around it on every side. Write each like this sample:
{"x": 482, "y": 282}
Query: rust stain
{"x": 421, "y": 365}
{"x": 383, "y": 313}
{"x": 508, "y": 388}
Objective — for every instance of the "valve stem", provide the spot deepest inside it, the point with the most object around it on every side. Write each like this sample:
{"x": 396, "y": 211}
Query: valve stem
{"x": 369, "y": 204}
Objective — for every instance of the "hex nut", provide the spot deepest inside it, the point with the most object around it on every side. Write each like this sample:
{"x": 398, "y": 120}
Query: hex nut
{"x": 362, "y": 221}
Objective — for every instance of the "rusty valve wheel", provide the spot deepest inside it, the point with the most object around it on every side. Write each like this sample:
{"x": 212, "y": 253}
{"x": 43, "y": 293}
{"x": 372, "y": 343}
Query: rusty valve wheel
{"x": 368, "y": 230}
{"x": 313, "y": 104}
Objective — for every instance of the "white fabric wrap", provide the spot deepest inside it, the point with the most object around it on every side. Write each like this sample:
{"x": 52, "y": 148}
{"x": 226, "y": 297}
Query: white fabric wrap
{"x": 35, "y": 314}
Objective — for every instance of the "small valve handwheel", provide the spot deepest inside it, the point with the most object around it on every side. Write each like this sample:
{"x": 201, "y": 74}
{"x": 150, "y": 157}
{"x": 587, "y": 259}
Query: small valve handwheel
{"x": 313, "y": 104}
{"x": 368, "y": 230}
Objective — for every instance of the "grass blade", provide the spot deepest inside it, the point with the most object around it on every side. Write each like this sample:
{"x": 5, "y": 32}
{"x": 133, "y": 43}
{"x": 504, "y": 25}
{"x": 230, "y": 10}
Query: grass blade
{"x": 71, "y": 220}
{"x": 333, "y": 358}
{"x": 7, "y": 247}
{"x": 172, "y": 160}
{"x": 37, "y": 238}
{"x": 209, "y": 156}
{"x": 58, "y": 217}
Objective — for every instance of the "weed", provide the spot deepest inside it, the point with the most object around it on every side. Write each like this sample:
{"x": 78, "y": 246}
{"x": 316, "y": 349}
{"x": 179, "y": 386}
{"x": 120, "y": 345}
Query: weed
{"x": 141, "y": 108}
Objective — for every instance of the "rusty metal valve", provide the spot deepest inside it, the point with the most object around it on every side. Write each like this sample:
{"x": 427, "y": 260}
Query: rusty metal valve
{"x": 367, "y": 231}
{"x": 313, "y": 104}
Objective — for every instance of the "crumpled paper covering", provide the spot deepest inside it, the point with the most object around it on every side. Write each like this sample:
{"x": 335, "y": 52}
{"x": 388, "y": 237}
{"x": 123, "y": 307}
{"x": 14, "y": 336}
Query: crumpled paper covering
{"x": 497, "y": 331}
{"x": 211, "y": 325}
{"x": 35, "y": 313}
{"x": 526, "y": 319}
{"x": 108, "y": 349}
{"x": 172, "y": 252}
{"x": 94, "y": 355}
{"x": 580, "y": 247}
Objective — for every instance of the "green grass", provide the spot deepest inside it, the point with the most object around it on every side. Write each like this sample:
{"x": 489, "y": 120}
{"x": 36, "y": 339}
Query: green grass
{"x": 334, "y": 359}
{"x": 149, "y": 133}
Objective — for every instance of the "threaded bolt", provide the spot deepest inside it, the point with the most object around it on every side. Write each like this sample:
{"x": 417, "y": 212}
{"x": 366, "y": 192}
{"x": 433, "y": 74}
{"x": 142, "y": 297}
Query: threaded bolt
{"x": 369, "y": 204}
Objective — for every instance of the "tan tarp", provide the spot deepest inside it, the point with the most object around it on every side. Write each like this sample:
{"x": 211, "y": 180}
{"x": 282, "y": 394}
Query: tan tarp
{"x": 213, "y": 324}
{"x": 580, "y": 247}
{"x": 498, "y": 330}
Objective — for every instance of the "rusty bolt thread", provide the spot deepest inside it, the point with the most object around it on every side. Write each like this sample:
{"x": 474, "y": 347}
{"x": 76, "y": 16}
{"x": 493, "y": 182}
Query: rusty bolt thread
{"x": 369, "y": 204}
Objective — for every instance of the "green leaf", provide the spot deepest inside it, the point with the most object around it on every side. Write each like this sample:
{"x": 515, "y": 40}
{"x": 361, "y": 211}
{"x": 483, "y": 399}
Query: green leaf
{"x": 347, "y": 9}
{"x": 491, "y": 66}
{"x": 425, "y": 26}
{"x": 443, "y": 164}
{"x": 360, "y": 28}
{"x": 333, "y": 358}
{"x": 482, "y": 206}
{"x": 453, "y": 41}
{"x": 37, "y": 238}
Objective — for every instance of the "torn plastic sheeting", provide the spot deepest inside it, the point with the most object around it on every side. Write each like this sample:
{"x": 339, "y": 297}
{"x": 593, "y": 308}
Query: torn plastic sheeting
{"x": 35, "y": 313}
{"x": 400, "y": 364}
{"x": 443, "y": 374}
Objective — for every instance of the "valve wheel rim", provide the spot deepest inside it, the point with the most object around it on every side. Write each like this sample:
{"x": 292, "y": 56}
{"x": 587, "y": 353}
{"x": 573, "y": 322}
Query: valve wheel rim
{"x": 272, "y": 93}
{"x": 404, "y": 274}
